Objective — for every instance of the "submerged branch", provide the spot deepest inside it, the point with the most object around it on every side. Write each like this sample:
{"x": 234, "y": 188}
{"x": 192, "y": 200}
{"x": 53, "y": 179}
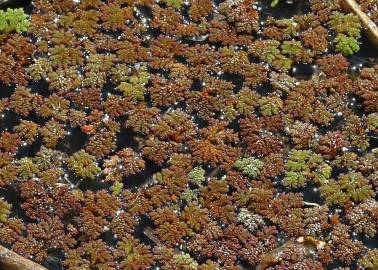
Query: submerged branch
{"x": 148, "y": 232}
{"x": 370, "y": 27}
{"x": 10, "y": 260}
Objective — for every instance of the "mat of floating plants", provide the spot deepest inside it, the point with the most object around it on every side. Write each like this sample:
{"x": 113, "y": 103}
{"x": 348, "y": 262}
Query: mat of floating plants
{"x": 183, "y": 135}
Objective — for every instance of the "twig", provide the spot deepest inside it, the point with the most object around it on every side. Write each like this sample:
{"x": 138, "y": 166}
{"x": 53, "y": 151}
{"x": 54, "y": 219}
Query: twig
{"x": 311, "y": 204}
{"x": 148, "y": 232}
{"x": 10, "y": 260}
{"x": 370, "y": 27}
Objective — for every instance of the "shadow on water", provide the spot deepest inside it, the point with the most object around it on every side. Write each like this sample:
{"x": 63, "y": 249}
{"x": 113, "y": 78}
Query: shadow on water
{"x": 145, "y": 176}
{"x": 95, "y": 184}
{"x": 6, "y": 90}
{"x": 126, "y": 139}
{"x": 73, "y": 142}
{"x": 26, "y": 4}
{"x": 284, "y": 9}
{"x": 29, "y": 150}
{"x": 302, "y": 71}
{"x": 40, "y": 87}
{"x": 366, "y": 57}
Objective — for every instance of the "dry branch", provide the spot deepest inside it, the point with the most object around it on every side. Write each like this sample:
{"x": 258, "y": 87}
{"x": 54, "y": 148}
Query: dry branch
{"x": 10, "y": 260}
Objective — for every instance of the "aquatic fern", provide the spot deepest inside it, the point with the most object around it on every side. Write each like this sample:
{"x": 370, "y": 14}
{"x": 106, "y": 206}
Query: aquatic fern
{"x": 134, "y": 87}
{"x": 294, "y": 180}
{"x": 370, "y": 260}
{"x": 346, "y": 45}
{"x": 189, "y": 195}
{"x": 135, "y": 92}
{"x": 83, "y": 165}
{"x": 297, "y": 161}
{"x": 249, "y": 166}
{"x": 141, "y": 77}
{"x": 26, "y": 168}
{"x": 303, "y": 166}
{"x": 348, "y": 30}
{"x": 282, "y": 63}
{"x": 185, "y": 261}
{"x": 324, "y": 175}
{"x": 117, "y": 188}
{"x": 268, "y": 51}
{"x": 348, "y": 24}
{"x": 251, "y": 221}
{"x": 13, "y": 20}
{"x": 197, "y": 176}
{"x": 246, "y": 100}
{"x": 291, "y": 48}
{"x": 174, "y": 3}
{"x": 270, "y": 105}
{"x": 4, "y": 210}
{"x": 349, "y": 187}
{"x": 372, "y": 121}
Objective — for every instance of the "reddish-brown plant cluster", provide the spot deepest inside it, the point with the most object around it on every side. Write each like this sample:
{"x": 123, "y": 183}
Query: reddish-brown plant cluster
{"x": 182, "y": 134}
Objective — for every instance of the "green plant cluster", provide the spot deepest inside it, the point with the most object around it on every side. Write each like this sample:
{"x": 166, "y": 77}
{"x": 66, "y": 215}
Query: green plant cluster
{"x": 370, "y": 260}
{"x": 372, "y": 121}
{"x": 83, "y": 165}
{"x": 349, "y": 187}
{"x": 134, "y": 86}
{"x": 270, "y": 105}
{"x": 116, "y": 188}
{"x": 4, "y": 210}
{"x": 303, "y": 166}
{"x": 175, "y": 3}
{"x": 13, "y": 20}
{"x": 197, "y": 176}
{"x": 245, "y": 101}
{"x": 185, "y": 260}
{"x": 346, "y": 45}
{"x": 250, "y": 167}
{"x": 189, "y": 195}
{"x": 348, "y": 31}
{"x": 269, "y": 51}
{"x": 288, "y": 27}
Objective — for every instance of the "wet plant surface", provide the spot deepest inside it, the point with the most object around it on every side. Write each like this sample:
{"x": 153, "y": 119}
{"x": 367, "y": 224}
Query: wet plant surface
{"x": 189, "y": 135}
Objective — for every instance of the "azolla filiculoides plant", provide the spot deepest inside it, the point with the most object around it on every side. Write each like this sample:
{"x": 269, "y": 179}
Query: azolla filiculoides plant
{"x": 185, "y": 135}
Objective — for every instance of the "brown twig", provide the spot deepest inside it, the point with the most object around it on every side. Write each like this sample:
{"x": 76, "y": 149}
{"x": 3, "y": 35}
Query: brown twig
{"x": 370, "y": 27}
{"x": 10, "y": 260}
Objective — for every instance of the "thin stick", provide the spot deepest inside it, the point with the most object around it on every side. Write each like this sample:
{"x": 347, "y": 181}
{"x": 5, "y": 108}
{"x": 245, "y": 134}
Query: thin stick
{"x": 311, "y": 204}
{"x": 148, "y": 232}
{"x": 370, "y": 27}
{"x": 10, "y": 260}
